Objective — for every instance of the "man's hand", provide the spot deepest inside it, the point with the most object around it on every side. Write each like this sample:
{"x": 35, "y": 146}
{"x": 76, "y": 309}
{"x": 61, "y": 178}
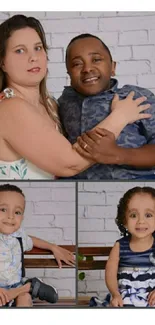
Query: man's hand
{"x": 99, "y": 145}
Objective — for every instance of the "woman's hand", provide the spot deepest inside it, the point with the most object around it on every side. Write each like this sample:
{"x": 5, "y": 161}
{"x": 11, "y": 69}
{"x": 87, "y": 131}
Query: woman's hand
{"x": 98, "y": 145}
{"x": 130, "y": 109}
{"x": 62, "y": 254}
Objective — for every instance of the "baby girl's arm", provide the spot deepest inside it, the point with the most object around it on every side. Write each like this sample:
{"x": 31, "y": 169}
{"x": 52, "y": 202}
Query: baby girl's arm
{"x": 111, "y": 276}
{"x": 151, "y": 298}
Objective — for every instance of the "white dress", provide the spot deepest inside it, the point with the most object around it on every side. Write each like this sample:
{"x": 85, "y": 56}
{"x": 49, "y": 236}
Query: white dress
{"x": 22, "y": 169}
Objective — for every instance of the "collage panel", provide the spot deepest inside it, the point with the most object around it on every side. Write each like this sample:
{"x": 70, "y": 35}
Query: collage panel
{"x": 39, "y": 271}
{"x": 116, "y": 219}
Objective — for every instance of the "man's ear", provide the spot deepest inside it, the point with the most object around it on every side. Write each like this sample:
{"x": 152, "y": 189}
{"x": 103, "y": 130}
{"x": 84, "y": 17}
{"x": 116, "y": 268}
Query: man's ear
{"x": 113, "y": 68}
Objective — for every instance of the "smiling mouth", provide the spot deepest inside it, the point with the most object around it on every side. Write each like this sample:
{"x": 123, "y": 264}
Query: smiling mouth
{"x": 91, "y": 80}
{"x": 141, "y": 229}
{"x": 8, "y": 224}
{"x": 34, "y": 70}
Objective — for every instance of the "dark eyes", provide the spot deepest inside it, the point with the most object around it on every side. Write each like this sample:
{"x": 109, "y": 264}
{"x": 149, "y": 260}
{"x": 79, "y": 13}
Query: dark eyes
{"x": 22, "y": 50}
{"x": 38, "y": 48}
{"x": 19, "y": 213}
{"x": 3, "y": 209}
{"x": 80, "y": 63}
{"x": 147, "y": 215}
{"x": 133, "y": 215}
{"x": 97, "y": 59}
{"x": 19, "y": 51}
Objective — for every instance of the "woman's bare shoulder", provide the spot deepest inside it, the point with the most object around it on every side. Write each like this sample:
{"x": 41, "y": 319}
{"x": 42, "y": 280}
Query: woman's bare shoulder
{"x": 13, "y": 106}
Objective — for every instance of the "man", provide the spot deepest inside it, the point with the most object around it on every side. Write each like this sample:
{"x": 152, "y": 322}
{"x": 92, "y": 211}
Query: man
{"x": 87, "y": 101}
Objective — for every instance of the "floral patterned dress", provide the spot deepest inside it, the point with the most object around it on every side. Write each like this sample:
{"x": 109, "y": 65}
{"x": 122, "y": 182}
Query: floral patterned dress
{"x": 21, "y": 169}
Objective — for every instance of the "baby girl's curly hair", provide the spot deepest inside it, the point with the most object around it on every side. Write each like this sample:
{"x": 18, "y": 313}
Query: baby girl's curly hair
{"x": 123, "y": 205}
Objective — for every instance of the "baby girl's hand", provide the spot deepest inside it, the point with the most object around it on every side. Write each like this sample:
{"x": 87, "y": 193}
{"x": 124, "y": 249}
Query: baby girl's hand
{"x": 116, "y": 301}
{"x": 151, "y": 298}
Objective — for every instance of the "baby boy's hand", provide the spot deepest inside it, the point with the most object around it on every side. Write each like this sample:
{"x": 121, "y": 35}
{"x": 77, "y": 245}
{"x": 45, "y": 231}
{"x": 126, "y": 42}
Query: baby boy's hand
{"x": 4, "y": 299}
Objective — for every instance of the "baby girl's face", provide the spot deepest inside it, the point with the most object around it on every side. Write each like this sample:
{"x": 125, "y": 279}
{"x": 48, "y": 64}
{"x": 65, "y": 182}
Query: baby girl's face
{"x": 12, "y": 205}
{"x": 140, "y": 215}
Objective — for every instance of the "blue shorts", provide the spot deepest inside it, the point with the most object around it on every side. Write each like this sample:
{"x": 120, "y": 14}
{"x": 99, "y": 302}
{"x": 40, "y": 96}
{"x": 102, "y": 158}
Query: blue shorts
{"x": 11, "y": 286}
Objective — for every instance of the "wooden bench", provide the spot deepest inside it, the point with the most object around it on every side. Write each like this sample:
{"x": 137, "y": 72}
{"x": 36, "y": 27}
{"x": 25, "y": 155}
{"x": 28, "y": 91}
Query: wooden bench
{"x": 44, "y": 261}
{"x": 91, "y": 258}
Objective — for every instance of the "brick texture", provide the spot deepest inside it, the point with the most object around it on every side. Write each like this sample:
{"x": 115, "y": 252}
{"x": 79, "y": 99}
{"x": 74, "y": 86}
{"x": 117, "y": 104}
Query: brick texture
{"x": 96, "y": 224}
{"x": 130, "y": 36}
{"x": 50, "y": 215}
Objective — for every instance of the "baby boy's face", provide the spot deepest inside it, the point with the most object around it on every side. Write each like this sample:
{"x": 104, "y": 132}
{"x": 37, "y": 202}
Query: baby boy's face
{"x": 12, "y": 205}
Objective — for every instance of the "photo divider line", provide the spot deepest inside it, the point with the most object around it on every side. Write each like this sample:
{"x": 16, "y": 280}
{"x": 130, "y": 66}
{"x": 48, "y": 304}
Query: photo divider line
{"x": 76, "y": 238}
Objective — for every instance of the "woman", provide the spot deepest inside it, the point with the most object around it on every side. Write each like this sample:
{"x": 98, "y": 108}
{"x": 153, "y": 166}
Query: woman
{"x": 30, "y": 140}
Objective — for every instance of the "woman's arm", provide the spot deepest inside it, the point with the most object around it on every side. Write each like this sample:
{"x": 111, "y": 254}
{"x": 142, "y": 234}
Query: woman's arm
{"x": 35, "y": 138}
{"x": 111, "y": 276}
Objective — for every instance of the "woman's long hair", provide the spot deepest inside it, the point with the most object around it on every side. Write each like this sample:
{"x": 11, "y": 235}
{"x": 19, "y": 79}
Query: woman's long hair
{"x": 10, "y": 25}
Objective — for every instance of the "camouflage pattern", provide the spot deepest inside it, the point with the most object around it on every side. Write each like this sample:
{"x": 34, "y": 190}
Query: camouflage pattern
{"x": 79, "y": 113}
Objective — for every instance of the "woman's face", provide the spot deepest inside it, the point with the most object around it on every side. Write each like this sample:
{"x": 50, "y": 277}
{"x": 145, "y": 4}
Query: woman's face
{"x": 25, "y": 62}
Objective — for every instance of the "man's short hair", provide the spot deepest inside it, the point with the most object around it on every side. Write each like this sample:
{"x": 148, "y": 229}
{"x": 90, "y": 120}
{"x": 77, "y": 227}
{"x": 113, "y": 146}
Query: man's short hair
{"x": 82, "y": 36}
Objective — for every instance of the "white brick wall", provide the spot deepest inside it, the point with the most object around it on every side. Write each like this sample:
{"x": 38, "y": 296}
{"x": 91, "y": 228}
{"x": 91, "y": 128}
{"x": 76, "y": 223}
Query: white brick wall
{"x": 96, "y": 224}
{"x": 50, "y": 215}
{"x": 130, "y": 36}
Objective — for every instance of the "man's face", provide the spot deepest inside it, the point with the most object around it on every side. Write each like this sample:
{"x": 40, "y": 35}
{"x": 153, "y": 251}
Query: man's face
{"x": 89, "y": 66}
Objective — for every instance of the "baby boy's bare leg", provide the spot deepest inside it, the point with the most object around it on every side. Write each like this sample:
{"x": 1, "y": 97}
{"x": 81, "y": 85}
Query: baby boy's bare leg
{"x": 15, "y": 292}
{"x": 24, "y": 300}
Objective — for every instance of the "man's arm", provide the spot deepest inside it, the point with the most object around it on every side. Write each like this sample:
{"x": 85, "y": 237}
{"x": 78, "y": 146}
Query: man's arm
{"x": 104, "y": 150}
{"x": 142, "y": 157}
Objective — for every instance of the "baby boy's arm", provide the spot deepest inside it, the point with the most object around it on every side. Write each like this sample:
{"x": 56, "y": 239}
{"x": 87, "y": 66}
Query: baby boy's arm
{"x": 59, "y": 253}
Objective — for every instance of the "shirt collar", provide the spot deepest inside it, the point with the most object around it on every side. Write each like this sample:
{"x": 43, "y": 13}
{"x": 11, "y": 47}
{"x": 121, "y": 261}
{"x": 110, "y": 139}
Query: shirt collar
{"x": 14, "y": 234}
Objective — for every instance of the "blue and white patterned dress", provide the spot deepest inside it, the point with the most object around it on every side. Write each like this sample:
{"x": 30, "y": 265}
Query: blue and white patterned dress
{"x": 136, "y": 276}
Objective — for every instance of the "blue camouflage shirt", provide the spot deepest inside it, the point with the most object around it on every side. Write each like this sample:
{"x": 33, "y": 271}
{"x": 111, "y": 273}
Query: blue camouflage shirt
{"x": 79, "y": 113}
